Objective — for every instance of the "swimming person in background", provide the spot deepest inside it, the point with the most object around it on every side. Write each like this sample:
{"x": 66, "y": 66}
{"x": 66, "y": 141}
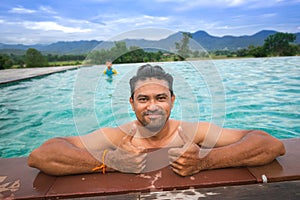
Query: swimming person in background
{"x": 191, "y": 146}
{"x": 109, "y": 71}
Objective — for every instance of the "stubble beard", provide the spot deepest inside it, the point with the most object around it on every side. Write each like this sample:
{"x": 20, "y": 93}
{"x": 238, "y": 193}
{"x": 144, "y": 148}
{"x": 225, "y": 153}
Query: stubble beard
{"x": 156, "y": 124}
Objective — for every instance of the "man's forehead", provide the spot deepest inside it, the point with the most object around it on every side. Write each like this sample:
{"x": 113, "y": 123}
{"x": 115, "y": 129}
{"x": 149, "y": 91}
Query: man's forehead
{"x": 151, "y": 81}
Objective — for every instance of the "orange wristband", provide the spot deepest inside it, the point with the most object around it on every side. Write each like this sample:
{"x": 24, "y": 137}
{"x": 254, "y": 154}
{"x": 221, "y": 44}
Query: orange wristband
{"x": 102, "y": 166}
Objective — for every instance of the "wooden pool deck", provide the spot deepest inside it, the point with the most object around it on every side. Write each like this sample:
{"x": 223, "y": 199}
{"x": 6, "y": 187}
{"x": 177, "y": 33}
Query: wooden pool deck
{"x": 13, "y": 75}
{"x": 277, "y": 180}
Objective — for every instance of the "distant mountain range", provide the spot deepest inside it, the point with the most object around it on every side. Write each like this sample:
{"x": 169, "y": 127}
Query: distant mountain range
{"x": 207, "y": 41}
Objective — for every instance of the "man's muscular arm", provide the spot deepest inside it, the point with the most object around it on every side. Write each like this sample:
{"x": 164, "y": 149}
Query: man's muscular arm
{"x": 60, "y": 156}
{"x": 252, "y": 149}
{"x": 75, "y": 155}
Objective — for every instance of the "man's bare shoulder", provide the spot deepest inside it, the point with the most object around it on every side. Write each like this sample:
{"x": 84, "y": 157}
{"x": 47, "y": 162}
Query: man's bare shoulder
{"x": 105, "y": 137}
{"x": 195, "y": 130}
{"x": 118, "y": 131}
{"x": 190, "y": 125}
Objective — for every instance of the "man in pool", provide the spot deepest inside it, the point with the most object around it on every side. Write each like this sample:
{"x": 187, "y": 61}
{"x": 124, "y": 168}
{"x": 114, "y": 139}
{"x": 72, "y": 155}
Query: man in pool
{"x": 192, "y": 147}
{"x": 109, "y": 71}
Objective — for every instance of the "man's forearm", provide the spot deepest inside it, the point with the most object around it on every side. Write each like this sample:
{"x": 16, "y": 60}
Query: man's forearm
{"x": 256, "y": 148}
{"x": 59, "y": 157}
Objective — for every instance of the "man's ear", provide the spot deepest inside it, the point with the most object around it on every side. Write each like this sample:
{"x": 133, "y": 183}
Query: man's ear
{"x": 173, "y": 100}
{"x": 131, "y": 103}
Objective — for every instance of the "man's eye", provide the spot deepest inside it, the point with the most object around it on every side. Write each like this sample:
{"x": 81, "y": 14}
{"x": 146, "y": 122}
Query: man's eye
{"x": 142, "y": 99}
{"x": 162, "y": 98}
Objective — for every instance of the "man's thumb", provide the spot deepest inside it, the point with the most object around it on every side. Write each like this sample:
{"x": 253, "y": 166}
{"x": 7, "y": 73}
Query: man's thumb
{"x": 131, "y": 133}
{"x": 185, "y": 139}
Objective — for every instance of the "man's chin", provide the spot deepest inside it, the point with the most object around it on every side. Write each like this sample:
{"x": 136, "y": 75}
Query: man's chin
{"x": 154, "y": 130}
{"x": 154, "y": 127}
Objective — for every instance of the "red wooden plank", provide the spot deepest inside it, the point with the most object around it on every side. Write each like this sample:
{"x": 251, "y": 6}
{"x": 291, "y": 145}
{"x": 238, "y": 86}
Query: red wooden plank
{"x": 284, "y": 168}
{"x": 164, "y": 179}
{"x": 22, "y": 182}
{"x": 19, "y": 181}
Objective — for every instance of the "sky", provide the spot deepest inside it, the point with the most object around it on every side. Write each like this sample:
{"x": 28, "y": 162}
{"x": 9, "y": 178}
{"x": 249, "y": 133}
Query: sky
{"x": 48, "y": 21}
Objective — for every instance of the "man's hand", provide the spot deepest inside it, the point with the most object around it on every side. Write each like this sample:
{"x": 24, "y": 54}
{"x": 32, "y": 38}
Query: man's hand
{"x": 186, "y": 161}
{"x": 127, "y": 157}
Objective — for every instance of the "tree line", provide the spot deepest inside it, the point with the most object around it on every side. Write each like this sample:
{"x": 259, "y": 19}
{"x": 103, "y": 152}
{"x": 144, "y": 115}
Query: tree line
{"x": 279, "y": 44}
{"x": 34, "y": 58}
{"x": 119, "y": 53}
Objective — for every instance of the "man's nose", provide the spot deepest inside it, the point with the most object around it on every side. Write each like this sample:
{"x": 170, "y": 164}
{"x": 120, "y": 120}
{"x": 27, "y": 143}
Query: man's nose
{"x": 152, "y": 105}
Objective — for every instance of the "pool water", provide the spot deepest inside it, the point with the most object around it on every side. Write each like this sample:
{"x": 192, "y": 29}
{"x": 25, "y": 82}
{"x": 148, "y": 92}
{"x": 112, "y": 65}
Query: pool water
{"x": 261, "y": 93}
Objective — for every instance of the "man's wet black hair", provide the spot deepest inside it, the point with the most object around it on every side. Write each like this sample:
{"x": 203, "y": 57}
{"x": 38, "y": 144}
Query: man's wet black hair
{"x": 149, "y": 71}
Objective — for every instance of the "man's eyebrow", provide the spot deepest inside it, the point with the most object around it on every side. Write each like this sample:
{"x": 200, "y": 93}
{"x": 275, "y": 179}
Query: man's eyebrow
{"x": 145, "y": 95}
{"x": 141, "y": 95}
{"x": 162, "y": 94}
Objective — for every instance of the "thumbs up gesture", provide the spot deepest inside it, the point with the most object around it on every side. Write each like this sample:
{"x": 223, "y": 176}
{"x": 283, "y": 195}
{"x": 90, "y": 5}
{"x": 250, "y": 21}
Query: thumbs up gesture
{"x": 127, "y": 157}
{"x": 185, "y": 160}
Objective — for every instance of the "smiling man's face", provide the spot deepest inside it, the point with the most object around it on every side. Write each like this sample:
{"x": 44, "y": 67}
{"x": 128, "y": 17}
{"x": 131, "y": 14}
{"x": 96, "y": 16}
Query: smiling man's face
{"x": 152, "y": 103}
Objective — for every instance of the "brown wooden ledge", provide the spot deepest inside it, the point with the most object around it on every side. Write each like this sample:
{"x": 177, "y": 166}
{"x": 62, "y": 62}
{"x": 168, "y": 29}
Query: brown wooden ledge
{"x": 19, "y": 181}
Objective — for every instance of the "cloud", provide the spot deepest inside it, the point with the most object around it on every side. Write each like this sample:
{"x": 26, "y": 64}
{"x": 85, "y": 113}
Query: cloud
{"x": 53, "y": 26}
{"x": 188, "y": 4}
{"x": 21, "y": 10}
{"x": 138, "y": 21}
{"x": 147, "y": 20}
{"x": 269, "y": 15}
{"x": 47, "y": 9}
{"x": 143, "y": 33}
{"x": 184, "y": 5}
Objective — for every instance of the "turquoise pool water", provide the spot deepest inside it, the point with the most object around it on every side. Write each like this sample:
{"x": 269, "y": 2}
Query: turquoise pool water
{"x": 259, "y": 94}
